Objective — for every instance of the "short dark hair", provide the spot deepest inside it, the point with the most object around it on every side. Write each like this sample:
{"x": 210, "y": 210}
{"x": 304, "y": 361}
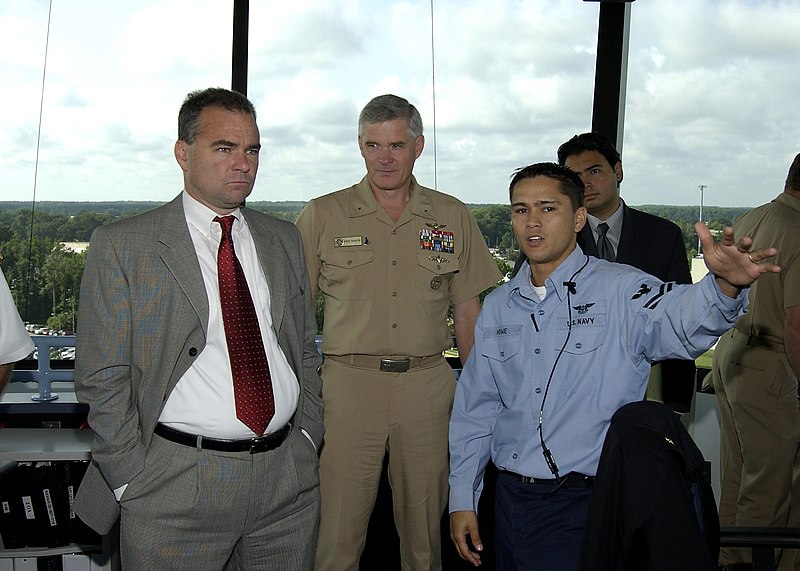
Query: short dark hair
{"x": 196, "y": 101}
{"x": 793, "y": 178}
{"x": 388, "y": 108}
{"x": 569, "y": 181}
{"x": 589, "y": 142}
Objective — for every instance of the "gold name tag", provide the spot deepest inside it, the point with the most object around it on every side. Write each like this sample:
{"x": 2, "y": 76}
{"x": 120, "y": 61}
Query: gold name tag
{"x": 344, "y": 241}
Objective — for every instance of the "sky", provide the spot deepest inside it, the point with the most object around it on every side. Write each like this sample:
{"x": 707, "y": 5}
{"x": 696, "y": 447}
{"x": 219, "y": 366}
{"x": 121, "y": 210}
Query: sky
{"x": 712, "y": 93}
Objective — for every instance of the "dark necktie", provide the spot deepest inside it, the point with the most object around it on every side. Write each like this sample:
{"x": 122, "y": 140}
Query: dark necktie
{"x": 252, "y": 386}
{"x": 604, "y": 248}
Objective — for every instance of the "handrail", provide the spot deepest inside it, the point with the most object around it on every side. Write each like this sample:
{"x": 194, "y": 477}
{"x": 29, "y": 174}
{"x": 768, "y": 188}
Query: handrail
{"x": 44, "y": 374}
{"x": 762, "y": 541}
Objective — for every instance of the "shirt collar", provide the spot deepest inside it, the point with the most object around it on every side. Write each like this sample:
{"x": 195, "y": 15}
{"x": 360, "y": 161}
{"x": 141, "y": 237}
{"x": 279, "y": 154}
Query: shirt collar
{"x": 614, "y": 221}
{"x": 363, "y": 202}
{"x": 555, "y": 281}
{"x": 788, "y": 200}
{"x": 202, "y": 217}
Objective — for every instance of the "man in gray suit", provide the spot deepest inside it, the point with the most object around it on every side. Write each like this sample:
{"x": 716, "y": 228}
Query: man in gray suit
{"x": 194, "y": 486}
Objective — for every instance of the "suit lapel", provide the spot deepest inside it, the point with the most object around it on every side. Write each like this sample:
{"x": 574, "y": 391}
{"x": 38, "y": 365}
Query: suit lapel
{"x": 273, "y": 264}
{"x": 180, "y": 258}
{"x": 627, "y": 249}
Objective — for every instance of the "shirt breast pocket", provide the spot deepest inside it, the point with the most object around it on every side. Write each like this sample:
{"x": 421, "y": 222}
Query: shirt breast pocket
{"x": 581, "y": 350}
{"x": 584, "y": 342}
{"x": 348, "y": 273}
{"x": 499, "y": 350}
{"x": 433, "y": 274}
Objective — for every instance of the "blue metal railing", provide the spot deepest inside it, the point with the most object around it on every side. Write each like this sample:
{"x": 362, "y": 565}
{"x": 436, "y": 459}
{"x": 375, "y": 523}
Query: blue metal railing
{"x": 44, "y": 374}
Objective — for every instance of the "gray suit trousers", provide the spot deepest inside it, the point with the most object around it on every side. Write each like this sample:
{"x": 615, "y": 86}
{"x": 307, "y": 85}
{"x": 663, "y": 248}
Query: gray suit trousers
{"x": 206, "y": 510}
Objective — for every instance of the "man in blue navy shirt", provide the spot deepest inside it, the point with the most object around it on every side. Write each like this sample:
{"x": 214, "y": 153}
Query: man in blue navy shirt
{"x": 558, "y": 349}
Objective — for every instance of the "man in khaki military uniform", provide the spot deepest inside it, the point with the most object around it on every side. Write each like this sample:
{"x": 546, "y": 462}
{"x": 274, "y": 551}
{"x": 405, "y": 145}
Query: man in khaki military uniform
{"x": 390, "y": 256}
{"x": 754, "y": 373}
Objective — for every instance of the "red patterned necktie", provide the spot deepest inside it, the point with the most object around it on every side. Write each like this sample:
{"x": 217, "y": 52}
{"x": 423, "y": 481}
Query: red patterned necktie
{"x": 252, "y": 385}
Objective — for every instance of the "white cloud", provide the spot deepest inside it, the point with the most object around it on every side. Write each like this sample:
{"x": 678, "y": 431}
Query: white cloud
{"x": 711, "y": 92}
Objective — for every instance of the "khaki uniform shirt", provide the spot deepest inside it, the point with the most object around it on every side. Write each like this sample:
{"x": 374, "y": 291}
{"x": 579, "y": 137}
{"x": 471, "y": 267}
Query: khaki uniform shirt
{"x": 773, "y": 224}
{"x": 387, "y": 285}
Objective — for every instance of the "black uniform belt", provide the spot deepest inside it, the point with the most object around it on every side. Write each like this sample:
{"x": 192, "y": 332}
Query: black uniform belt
{"x": 755, "y": 341}
{"x": 252, "y": 445}
{"x": 386, "y": 364}
{"x": 571, "y": 480}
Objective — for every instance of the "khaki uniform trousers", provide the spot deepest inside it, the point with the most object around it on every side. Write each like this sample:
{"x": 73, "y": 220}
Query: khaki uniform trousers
{"x": 369, "y": 413}
{"x": 757, "y": 396}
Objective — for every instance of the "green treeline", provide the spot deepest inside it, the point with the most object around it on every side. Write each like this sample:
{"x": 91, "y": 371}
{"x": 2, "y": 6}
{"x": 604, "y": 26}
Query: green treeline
{"x": 44, "y": 277}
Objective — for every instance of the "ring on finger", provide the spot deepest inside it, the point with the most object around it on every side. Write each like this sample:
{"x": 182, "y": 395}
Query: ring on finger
{"x": 750, "y": 257}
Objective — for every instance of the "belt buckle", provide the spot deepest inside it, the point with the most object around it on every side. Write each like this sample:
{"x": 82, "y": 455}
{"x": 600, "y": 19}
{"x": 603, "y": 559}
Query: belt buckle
{"x": 395, "y": 365}
{"x": 259, "y": 445}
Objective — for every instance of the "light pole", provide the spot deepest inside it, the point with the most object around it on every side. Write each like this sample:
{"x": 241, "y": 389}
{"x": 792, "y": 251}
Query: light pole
{"x": 699, "y": 245}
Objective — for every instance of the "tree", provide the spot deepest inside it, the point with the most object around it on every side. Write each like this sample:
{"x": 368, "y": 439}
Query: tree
{"x": 44, "y": 279}
{"x": 62, "y": 272}
{"x": 495, "y": 224}
{"x": 505, "y": 269}
{"x": 23, "y": 266}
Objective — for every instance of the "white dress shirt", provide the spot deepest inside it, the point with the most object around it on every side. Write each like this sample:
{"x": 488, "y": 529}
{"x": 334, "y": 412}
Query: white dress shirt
{"x": 15, "y": 343}
{"x": 202, "y": 401}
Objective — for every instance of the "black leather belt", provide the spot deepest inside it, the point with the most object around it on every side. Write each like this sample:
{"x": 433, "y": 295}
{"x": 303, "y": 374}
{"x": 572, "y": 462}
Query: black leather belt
{"x": 571, "y": 480}
{"x": 252, "y": 445}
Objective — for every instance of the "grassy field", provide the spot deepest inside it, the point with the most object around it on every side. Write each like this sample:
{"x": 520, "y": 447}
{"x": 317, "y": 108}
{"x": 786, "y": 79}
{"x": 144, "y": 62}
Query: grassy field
{"x": 704, "y": 360}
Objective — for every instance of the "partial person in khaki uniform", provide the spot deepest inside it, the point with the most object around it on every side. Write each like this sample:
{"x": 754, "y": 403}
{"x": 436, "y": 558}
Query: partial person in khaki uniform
{"x": 755, "y": 370}
{"x": 389, "y": 256}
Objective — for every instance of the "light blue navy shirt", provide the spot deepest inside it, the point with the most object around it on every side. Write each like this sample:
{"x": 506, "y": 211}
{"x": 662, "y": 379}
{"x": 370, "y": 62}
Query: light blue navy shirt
{"x": 620, "y": 318}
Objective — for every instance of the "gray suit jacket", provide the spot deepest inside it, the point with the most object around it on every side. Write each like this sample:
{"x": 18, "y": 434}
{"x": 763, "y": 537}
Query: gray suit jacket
{"x": 142, "y": 323}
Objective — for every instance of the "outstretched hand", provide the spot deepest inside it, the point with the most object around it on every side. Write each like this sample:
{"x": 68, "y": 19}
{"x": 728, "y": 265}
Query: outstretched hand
{"x": 733, "y": 263}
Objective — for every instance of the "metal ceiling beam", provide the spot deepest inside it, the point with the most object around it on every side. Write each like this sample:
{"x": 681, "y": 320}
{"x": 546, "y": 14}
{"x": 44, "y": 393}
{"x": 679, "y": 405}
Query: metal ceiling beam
{"x": 241, "y": 14}
{"x": 611, "y": 71}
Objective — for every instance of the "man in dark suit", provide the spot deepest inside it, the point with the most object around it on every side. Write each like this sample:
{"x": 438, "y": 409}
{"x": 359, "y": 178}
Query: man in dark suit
{"x": 639, "y": 239}
{"x": 619, "y": 233}
{"x": 207, "y": 468}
